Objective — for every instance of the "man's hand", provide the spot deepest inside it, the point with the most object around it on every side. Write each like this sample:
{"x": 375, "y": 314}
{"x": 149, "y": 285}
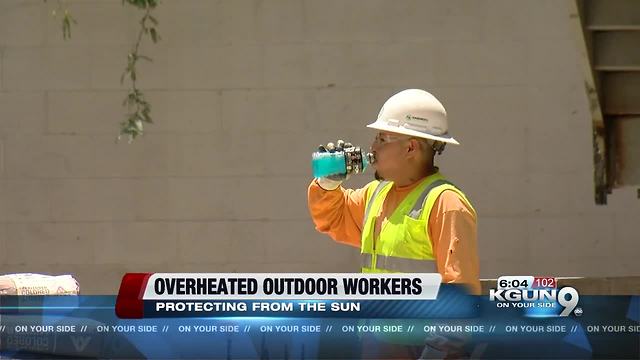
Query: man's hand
{"x": 334, "y": 181}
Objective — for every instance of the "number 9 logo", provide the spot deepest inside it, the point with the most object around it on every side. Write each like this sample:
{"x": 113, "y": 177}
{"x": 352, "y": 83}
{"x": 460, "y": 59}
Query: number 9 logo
{"x": 569, "y": 304}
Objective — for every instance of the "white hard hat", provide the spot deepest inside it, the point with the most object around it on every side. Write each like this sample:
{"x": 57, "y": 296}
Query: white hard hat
{"x": 416, "y": 113}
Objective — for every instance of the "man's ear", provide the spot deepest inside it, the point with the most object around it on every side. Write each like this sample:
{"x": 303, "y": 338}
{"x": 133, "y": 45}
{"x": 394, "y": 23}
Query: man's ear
{"x": 413, "y": 147}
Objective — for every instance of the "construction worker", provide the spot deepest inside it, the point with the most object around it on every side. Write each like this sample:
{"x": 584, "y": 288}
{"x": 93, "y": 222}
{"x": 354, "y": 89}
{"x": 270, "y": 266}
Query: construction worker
{"x": 410, "y": 219}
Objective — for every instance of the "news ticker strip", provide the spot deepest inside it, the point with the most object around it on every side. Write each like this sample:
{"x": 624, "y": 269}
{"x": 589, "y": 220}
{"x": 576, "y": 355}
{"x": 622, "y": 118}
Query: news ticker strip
{"x": 226, "y": 327}
{"x": 196, "y": 293}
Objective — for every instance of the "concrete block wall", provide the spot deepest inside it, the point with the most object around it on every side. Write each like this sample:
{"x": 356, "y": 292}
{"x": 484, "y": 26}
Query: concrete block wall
{"x": 243, "y": 90}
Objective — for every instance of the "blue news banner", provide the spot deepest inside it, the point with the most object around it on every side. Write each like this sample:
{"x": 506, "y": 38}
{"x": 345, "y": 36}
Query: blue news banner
{"x": 86, "y": 326}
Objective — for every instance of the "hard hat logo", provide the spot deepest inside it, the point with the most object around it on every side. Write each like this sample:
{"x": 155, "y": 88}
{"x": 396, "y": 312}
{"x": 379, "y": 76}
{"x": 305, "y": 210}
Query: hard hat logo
{"x": 414, "y": 112}
{"x": 411, "y": 117}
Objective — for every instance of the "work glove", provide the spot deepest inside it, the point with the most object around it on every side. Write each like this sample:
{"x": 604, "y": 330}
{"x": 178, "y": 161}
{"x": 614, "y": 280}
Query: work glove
{"x": 334, "y": 181}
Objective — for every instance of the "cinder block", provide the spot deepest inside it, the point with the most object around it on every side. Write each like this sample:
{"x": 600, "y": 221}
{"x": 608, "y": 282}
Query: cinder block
{"x": 550, "y": 194}
{"x": 393, "y": 64}
{"x": 203, "y": 198}
{"x": 482, "y": 116}
{"x": 22, "y": 23}
{"x": 270, "y": 198}
{"x": 464, "y": 63}
{"x": 551, "y": 20}
{"x": 202, "y": 23}
{"x": 582, "y": 195}
{"x": 228, "y": 28}
{"x": 187, "y": 22}
{"x": 108, "y": 62}
{"x": 286, "y": 65}
{"x": 344, "y": 110}
{"x": 458, "y": 27}
{"x": 185, "y": 112}
{"x": 584, "y": 266}
{"x": 346, "y": 21}
{"x": 79, "y": 112}
{"x": 561, "y": 68}
{"x": 272, "y": 29}
{"x": 76, "y": 200}
{"x": 248, "y": 242}
{"x": 503, "y": 239}
{"x": 52, "y": 243}
{"x": 329, "y": 21}
{"x": 204, "y": 242}
{"x": 570, "y": 237}
{"x": 110, "y": 199}
{"x": 22, "y": 112}
{"x": 102, "y": 15}
{"x": 299, "y": 237}
{"x": 25, "y": 200}
{"x": 493, "y": 195}
{"x": 216, "y": 67}
{"x": 554, "y": 143}
{"x": 624, "y": 241}
{"x": 506, "y": 20}
{"x": 54, "y": 68}
{"x": 282, "y": 111}
{"x": 138, "y": 243}
{"x": 330, "y": 64}
{"x": 147, "y": 156}
{"x": 219, "y": 154}
{"x": 25, "y": 68}
{"x": 49, "y": 156}
{"x": 290, "y": 154}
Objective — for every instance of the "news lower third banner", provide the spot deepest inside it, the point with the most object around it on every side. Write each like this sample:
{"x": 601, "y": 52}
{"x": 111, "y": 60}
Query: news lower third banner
{"x": 321, "y": 316}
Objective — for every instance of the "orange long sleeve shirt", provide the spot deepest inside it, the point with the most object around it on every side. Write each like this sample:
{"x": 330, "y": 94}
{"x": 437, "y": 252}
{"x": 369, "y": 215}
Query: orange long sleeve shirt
{"x": 452, "y": 226}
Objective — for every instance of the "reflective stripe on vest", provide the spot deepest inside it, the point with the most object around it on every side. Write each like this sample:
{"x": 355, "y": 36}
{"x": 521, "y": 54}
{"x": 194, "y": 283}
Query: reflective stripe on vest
{"x": 379, "y": 188}
{"x": 398, "y": 264}
{"x": 417, "y": 207}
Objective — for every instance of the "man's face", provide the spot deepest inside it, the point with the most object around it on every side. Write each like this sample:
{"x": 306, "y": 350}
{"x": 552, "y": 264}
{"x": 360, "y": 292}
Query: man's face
{"x": 391, "y": 154}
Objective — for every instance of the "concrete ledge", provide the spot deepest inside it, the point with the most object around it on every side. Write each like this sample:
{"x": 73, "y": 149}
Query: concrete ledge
{"x": 627, "y": 285}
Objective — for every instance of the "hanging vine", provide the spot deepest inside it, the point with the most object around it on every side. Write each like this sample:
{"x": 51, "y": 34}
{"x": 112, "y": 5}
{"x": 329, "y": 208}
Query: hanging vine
{"x": 138, "y": 108}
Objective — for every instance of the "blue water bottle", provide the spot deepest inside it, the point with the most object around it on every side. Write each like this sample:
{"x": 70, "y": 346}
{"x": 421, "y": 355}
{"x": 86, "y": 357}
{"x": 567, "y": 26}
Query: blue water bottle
{"x": 348, "y": 161}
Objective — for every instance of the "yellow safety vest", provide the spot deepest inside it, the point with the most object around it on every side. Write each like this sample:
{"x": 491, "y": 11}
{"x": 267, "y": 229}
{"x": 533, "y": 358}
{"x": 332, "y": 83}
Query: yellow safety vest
{"x": 403, "y": 244}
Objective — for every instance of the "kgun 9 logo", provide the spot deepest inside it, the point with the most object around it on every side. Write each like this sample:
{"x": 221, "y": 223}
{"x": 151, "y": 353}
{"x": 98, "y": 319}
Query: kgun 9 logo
{"x": 567, "y": 297}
